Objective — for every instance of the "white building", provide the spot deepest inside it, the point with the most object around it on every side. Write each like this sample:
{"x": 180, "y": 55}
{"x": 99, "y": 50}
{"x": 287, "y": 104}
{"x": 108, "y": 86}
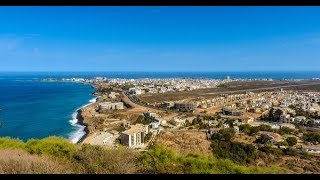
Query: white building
{"x": 226, "y": 125}
{"x": 155, "y": 125}
{"x": 236, "y": 129}
{"x": 135, "y": 91}
{"x": 275, "y": 126}
{"x": 285, "y": 118}
{"x": 299, "y": 118}
{"x": 134, "y": 137}
{"x": 311, "y": 149}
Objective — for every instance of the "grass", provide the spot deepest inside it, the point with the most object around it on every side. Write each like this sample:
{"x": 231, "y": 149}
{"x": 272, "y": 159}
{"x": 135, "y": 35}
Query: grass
{"x": 164, "y": 160}
{"x": 58, "y": 156}
{"x": 21, "y": 162}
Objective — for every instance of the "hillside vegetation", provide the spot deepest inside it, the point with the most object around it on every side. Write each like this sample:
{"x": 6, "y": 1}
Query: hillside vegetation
{"x": 59, "y": 156}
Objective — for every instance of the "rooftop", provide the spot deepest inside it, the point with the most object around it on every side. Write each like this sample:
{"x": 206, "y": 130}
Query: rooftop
{"x": 134, "y": 129}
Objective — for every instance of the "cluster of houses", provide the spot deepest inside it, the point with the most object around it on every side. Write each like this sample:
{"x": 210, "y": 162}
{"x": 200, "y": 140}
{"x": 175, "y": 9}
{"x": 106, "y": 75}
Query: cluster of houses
{"x": 218, "y": 101}
{"x": 305, "y": 100}
{"x": 249, "y": 102}
{"x": 147, "y": 85}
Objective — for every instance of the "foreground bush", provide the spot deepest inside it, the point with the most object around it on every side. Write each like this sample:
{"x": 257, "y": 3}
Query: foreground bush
{"x": 98, "y": 160}
{"x": 20, "y": 162}
{"x": 9, "y": 143}
{"x": 52, "y": 146}
{"x": 236, "y": 151}
{"x": 58, "y": 155}
{"x": 164, "y": 160}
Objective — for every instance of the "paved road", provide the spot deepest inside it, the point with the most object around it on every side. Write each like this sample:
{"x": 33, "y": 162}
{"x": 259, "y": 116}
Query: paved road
{"x": 138, "y": 103}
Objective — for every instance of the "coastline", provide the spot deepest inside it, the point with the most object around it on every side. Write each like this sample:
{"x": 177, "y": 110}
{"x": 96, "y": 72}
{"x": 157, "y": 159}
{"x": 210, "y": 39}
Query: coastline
{"x": 82, "y": 123}
{"x": 80, "y": 120}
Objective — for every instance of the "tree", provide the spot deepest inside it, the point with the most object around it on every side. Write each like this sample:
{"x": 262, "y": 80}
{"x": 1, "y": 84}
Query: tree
{"x": 310, "y": 123}
{"x": 285, "y": 130}
{"x": 229, "y": 122}
{"x": 236, "y": 151}
{"x": 313, "y": 137}
{"x": 220, "y": 124}
{"x": 245, "y": 128}
{"x": 254, "y": 130}
{"x": 270, "y": 115}
{"x": 224, "y": 134}
{"x": 283, "y": 143}
{"x": 263, "y": 139}
{"x": 276, "y": 115}
{"x": 265, "y": 127}
{"x": 290, "y": 151}
{"x": 292, "y": 141}
{"x": 196, "y": 120}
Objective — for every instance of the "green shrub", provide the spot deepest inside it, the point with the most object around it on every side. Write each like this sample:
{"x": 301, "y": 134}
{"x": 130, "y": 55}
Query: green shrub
{"x": 249, "y": 130}
{"x": 163, "y": 160}
{"x": 237, "y": 152}
{"x": 313, "y": 137}
{"x": 9, "y": 143}
{"x": 264, "y": 138}
{"x": 98, "y": 160}
{"x": 284, "y": 131}
{"x": 283, "y": 143}
{"x": 52, "y": 146}
{"x": 292, "y": 141}
{"x": 290, "y": 151}
{"x": 245, "y": 128}
{"x": 224, "y": 134}
{"x": 159, "y": 160}
{"x": 264, "y": 127}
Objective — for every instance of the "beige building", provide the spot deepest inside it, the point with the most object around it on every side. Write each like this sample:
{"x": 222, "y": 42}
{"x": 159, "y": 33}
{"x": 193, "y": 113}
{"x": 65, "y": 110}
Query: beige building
{"x": 134, "y": 136}
{"x": 110, "y": 105}
{"x": 178, "y": 122}
{"x": 184, "y": 105}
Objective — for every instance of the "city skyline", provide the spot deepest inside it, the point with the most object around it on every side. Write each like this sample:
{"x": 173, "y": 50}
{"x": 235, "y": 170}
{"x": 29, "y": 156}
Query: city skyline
{"x": 159, "y": 39}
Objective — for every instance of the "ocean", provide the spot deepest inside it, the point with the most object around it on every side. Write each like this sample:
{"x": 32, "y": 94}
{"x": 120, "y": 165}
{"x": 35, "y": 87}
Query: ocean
{"x": 34, "y": 109}
{"x": 40, "y": 109}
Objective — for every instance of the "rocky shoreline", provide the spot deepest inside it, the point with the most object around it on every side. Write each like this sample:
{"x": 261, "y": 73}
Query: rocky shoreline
{"x": 83, "y": 118}
{"x": 82, "y": 122}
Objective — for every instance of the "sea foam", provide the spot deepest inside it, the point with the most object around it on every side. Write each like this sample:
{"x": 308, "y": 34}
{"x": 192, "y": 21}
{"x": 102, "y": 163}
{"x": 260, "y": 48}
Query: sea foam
{"x": 76, "y": 135}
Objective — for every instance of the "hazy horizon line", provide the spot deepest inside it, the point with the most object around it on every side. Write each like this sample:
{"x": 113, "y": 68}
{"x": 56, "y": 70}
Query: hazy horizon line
{"x": 184, "y": 71}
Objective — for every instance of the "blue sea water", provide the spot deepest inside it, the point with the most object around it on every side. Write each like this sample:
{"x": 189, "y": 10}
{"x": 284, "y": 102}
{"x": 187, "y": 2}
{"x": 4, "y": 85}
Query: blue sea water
{"x": 40, "y": 109}
{"x": 33, "y": 109}
{"x": 134, "y": 75}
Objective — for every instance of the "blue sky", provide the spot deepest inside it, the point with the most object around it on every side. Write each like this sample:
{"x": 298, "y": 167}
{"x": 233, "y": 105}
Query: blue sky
{"x": 159, "y": 38}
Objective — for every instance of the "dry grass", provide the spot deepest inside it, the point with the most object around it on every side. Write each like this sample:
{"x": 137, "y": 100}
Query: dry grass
{"x": 244, "y": 138}
{"x": 97, "y": 160}
{"x": 185, "y": 141}
{"x": 20, "y": 162}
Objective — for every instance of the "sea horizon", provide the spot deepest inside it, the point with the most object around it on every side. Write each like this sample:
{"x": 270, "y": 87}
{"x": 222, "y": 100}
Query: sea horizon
{"x": 163, "y": 74}
{"x": 22, "y": 98}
